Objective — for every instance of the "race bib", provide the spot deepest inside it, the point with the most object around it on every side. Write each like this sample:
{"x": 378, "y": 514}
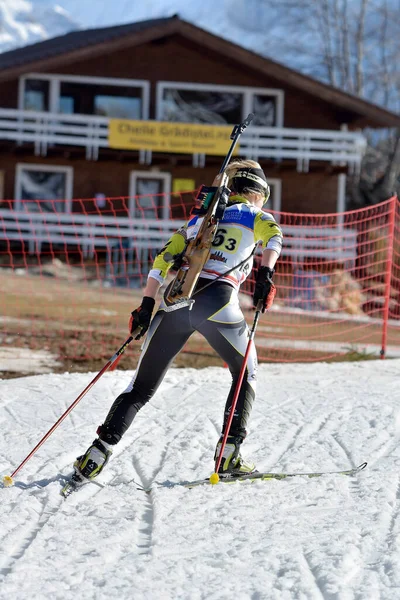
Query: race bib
{"x": 227, "y": 239}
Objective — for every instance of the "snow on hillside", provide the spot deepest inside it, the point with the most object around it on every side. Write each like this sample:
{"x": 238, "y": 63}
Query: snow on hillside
{"x": 23, "y": 22}
{"x": 332, "y": 537}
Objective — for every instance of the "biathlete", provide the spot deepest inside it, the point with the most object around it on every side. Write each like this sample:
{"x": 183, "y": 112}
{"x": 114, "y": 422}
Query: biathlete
{"x": 215, "y": 314}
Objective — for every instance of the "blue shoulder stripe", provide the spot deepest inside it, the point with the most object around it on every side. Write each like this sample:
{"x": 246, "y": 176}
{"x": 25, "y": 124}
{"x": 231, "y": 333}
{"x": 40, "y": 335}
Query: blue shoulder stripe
{"x": 193, "y": 221}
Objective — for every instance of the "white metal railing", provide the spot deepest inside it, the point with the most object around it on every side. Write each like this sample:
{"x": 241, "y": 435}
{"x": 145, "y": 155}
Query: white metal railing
{"x": 88, "y": 232}
{"x": 44, "y": 129}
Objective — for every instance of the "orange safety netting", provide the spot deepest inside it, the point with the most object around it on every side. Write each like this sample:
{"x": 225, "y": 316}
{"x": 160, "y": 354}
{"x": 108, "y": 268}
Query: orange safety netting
{"x": 70, "y": 280}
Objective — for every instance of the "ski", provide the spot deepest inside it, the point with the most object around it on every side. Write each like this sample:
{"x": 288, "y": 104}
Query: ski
{"x": 74, "y": 484}
{"x": 259, "y": 476}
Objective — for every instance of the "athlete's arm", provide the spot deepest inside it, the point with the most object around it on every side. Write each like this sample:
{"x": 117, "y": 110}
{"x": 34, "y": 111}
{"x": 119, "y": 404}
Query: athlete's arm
{"x": 269, "y": 233}
{"x": 152, "y": 287}
{"x": 269, "y": 258}
{"x": 158, "y": 272}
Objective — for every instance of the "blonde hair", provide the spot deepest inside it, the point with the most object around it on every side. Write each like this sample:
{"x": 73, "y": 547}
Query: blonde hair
{"x": 238, "y": 164}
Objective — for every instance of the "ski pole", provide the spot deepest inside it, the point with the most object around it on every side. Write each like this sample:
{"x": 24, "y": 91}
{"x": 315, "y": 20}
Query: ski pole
{"x": 8, "y": 479}
{"x": 215, "y": 477}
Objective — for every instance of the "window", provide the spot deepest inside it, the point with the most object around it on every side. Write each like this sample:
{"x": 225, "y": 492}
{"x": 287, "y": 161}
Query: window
{"x": 52, "y": 185}
{"x": 36, "y": 95}
{"x": 264, "y": 107}
{"x": 117, "y": 107}
{"x": 74, "y": 94}
{"x": 218, "y": 104}
{"x": 196, "y": 106}
{"x": 66, "y": 105}
{"x": 149, "y": 195}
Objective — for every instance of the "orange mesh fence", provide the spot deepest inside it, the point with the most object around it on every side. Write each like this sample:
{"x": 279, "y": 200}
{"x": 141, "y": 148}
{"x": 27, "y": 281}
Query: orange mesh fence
{"x": 70, "y": 280}
{"x": 338, "y": 287}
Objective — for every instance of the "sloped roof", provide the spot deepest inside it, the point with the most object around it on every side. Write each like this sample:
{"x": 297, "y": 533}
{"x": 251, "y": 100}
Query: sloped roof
{"x": 94, "y": 42}
{"x": 74, "y": 40}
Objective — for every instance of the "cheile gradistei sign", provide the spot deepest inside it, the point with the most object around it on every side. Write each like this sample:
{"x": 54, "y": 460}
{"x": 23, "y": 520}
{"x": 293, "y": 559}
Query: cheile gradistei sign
{"x": 165, "y": 136}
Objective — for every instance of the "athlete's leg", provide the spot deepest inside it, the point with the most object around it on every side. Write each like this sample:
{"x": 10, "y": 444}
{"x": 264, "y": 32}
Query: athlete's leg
{"x": 167, "y": 335}
{"x": 221, "y": 321}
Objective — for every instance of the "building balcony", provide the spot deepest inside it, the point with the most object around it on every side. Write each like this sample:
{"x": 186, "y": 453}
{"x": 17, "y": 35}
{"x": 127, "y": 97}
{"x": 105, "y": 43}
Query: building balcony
{"x": 46, "y": 129}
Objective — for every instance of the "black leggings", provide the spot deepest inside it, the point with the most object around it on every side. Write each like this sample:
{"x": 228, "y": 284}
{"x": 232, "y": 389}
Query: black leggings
{"x": 216, "y": 314}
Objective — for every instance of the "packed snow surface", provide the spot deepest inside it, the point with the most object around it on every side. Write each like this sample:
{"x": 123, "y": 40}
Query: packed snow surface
{"x": 333, "y": 537}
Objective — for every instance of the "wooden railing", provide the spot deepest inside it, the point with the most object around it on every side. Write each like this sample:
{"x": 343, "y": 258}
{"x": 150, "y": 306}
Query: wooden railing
{"x": 44, "y": 129}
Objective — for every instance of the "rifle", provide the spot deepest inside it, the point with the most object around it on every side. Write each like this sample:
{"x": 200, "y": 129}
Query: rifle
{"x": 210, "y": 206}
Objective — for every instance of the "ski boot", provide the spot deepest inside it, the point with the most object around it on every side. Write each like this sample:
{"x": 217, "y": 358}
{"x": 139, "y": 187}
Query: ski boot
{"x": 87, "y": 467}
{"x": 232, "y": 463}
{"x": 93, "y": 461}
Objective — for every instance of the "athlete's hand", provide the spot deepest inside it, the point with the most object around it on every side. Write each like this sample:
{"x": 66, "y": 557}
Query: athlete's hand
{"x": 264, "y": 289}
{"x": 141, "y": 317}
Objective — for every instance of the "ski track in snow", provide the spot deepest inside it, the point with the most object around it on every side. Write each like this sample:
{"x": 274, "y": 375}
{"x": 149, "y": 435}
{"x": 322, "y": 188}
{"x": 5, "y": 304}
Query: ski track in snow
{"x": 332, "y": 538}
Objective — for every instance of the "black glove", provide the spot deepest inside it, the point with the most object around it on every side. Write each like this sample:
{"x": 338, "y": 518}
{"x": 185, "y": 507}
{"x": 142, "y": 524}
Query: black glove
{"x": 264, "y": 289}
{"x": 141, "y": 317}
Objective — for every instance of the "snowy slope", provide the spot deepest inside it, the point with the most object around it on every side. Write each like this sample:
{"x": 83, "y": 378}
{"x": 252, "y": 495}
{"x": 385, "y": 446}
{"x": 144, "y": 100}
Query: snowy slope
{"x": 333, "y": 537}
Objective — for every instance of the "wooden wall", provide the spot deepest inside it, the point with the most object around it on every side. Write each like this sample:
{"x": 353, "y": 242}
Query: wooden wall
{"x": 313, "y": 192}
{"x": 176, "y": 59}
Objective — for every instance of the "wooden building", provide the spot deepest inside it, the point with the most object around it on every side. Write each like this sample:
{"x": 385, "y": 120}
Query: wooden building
{"x": 57, "y": 98}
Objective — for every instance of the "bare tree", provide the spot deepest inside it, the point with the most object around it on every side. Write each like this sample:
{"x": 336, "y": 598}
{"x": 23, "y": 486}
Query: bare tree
{"x": 354, "y": 45}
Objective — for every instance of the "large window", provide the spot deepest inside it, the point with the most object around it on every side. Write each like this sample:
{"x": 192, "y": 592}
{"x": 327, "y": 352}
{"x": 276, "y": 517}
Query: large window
{"x": 218, "y": 104}
{"x": 73, "y": 94}
{"x": 149, "y": 194}
{"x": 52, "y": 185}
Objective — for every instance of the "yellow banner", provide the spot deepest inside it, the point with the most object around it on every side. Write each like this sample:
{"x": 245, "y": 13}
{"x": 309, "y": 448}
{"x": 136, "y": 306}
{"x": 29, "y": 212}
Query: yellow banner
{"x": 163, "y": 136}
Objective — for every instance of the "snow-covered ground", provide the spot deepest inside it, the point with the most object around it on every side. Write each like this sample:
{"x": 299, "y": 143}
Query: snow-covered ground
{"x": 334, "y": 537}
